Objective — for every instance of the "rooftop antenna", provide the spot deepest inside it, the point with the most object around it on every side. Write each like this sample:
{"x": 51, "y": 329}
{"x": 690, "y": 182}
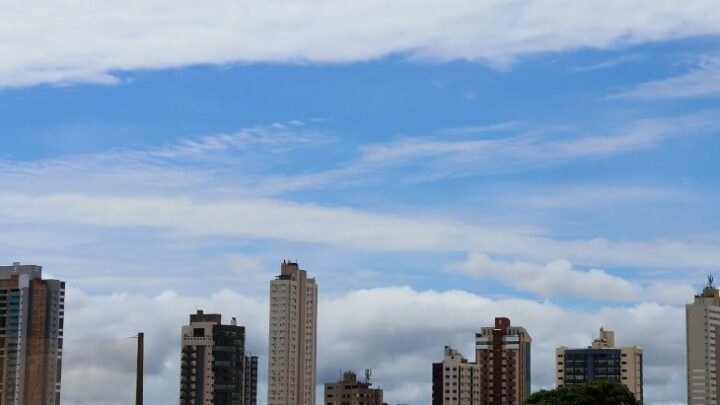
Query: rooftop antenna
{"x": 368, "y": 375}
{"x": 710, "y": 280}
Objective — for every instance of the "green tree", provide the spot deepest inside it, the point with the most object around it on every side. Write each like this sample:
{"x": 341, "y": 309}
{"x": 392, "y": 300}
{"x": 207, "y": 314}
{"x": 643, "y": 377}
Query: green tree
{"x": 590, "y": 393}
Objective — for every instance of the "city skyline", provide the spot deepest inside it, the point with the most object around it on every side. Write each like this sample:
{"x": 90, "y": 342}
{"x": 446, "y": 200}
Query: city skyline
{"x": 502, "y": 352}
{"x": 549, "y": 161}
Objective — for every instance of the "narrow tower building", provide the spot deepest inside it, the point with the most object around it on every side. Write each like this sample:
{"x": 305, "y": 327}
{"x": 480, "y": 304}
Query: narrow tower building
{"x": 292, "y": 337}
{"x": 702, "y": 319}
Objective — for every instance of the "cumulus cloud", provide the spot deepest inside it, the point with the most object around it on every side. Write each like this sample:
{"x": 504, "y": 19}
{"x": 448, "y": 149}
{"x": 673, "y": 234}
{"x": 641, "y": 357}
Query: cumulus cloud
{"x": 66, "y": 41}
{"x": 95, "y": 354}
{"x": 702, "y": 80}
{"x": 398, "y": 332}
{"x": 558, "y": 278}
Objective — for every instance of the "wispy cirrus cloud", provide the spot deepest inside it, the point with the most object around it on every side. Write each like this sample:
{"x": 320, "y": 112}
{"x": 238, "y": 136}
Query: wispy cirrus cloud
{"x": 701, "y": 81}
{"x": 620, "y": 60}
{"x": 217, "y": 160}
{"x": 501, "y": 148}
{"x": 65, "y": 42}
{"x": 342, "y": 227}
{"x": 229, "y": 186}
{"x": 593, "y": 196}
{"x": 440, "y": 157}
{"x": 249, "y": 159}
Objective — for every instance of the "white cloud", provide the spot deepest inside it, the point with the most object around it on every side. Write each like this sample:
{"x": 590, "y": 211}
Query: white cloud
{"x": 239, "y": 161}
{"x": 213, "y": 186}
{"x": 67, "y": 41}
{"x": 597, "y": 196}
{"x": 558, "y": 278}
{"x": 702, "y": 80}
{"x": 344, "y": 227}
{"x": 280, "y": 220}
{"x": 397, "y": 332}
{"x": 667, "y": 291}
{"x": 440, "y": 156}
{"x": 436, "y": 158}
{"x": 620, "y": 60}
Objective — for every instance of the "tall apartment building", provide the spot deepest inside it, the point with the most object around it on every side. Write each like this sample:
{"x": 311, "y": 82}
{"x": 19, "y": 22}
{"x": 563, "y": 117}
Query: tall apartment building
{"x": 500, "y": 374}
{"x": 293, "y": 337}
{"x": 455, "y": 380}
{"x": 702, "y": 319}
{"x": 350, "y": 391}
{"x": 213, "y": 364}
{"x": 601, "y": 361}
{"x": 32, "y": 312}
{"x": 503, "y": 354}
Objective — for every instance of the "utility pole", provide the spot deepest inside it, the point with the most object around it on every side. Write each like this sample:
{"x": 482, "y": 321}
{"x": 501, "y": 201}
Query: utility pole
{"x": 139, "y": 372}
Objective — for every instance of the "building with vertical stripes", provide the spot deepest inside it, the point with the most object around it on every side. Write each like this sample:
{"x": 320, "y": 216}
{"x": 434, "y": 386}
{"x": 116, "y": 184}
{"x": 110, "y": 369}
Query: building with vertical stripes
{"x": 251, "y": 379}
{"x": 502, "y": 352}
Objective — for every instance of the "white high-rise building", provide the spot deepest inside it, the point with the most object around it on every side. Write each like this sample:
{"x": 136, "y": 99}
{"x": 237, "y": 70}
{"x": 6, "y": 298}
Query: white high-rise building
{"x": 703, "y": 338}
{"x": 293, "y": 337}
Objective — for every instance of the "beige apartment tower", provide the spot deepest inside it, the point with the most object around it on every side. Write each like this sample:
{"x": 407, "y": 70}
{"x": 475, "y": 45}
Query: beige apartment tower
{"x": 293, "y": 337}
{"x": 601, "y": 361}
{"x": 32, "y": 311}
{"x": 703, "y": 338}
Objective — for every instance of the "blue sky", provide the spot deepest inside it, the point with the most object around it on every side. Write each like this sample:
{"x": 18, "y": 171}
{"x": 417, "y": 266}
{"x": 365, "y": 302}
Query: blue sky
{"x": 540, "y": 163}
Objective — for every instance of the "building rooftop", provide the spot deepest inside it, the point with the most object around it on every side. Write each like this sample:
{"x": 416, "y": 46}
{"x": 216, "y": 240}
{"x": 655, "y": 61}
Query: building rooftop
{"x": 17, "y": 269}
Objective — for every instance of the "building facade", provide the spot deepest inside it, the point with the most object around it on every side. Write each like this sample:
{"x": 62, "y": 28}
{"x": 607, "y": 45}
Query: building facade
{"x": 455, "y": 380}
{"x": 32, "y": 312}
{"x": 601, "y": 361}
{"x": 213, "y": 364}
{"x": 292, "y": 337}
{"x": 702, "y": 325}
{"x": 502, "y": 353}
{"x": 251, "y": 377}
{"x": 500, "y": 374}
{"x": 350, "y": 391}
